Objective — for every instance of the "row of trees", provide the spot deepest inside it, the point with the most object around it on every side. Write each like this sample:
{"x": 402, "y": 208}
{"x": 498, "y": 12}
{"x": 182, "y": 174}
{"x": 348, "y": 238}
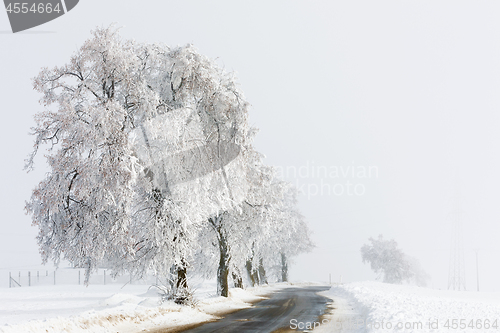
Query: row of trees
{"x": 152, "y": 167}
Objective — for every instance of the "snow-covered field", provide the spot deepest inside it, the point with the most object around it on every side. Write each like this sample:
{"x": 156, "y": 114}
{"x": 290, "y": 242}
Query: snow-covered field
{"x": 111, "y": 308}
{"x": 380, "y": 307}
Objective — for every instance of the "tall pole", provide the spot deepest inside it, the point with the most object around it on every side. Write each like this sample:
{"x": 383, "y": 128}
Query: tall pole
{"x": 477, "y": 270}
{"x": 456, "y": 273}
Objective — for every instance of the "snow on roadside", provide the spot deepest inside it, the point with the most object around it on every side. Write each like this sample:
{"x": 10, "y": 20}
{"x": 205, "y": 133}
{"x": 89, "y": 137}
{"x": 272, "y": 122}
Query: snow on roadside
{"x": 111, "y": 309}
{"x": 380, "y": 307}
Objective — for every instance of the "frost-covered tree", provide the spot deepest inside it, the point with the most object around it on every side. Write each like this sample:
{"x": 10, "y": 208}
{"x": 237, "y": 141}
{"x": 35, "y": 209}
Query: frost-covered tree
{"x": 292, "y": 235}
{"x": 229, "y": 233}
{"x": 256, "y": 236}
{"x": 82, "y": 207}
{"x": 387, "y": 259}
{"x": 194, "y": 154}
{"x": 285, "y": 235}
{"x": 144, "y": 141}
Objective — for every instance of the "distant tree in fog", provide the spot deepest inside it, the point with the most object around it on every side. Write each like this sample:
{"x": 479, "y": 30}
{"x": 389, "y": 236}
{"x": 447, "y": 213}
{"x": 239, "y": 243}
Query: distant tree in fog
{"x": 391, "y": 264}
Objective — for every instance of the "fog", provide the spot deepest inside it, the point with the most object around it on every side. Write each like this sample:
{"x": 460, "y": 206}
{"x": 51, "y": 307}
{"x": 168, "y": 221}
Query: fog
{"x": 380, "y": 112}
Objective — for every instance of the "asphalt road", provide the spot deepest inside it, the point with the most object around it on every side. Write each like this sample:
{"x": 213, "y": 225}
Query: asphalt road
{"x": 273, "y": 314}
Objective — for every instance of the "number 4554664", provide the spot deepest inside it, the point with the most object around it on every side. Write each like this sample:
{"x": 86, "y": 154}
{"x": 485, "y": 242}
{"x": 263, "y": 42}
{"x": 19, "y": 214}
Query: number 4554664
{"x": 472, "y": 324}
{"x": 18, "y": 7}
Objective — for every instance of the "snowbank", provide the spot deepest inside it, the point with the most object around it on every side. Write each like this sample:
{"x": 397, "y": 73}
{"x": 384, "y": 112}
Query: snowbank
{"x": 379, "y": 307}
{"x": 112, "y": 308}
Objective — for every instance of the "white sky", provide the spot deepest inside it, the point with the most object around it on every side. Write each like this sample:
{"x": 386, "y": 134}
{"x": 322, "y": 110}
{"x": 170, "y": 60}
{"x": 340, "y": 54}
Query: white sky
{"x": 411, "y": 87}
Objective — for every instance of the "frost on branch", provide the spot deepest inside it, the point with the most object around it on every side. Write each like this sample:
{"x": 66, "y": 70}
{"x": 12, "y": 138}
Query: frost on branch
{"x": 82, "y": 207}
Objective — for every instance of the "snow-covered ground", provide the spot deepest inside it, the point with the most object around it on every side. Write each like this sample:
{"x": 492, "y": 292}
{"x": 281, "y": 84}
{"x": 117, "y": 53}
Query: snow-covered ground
{"x": 357, "y": 307}
{"x": 379, "y": 307}
{"x": 111, "y": 308}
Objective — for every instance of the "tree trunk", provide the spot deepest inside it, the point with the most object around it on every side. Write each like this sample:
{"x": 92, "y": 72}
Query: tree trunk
{"x": 172, "y": 280}
{"x": 253, "y": 276}
{"x": 225, "y": 257}
{"x": 284, "y": 268}
{"x": 223, "y": 270}
{"x": 238, "y": 281}
{"x": 181, "y": 277}
{"x": 262, "y": 273}
{"x": 178, "y": 277}
{"x": 181, "y": 293}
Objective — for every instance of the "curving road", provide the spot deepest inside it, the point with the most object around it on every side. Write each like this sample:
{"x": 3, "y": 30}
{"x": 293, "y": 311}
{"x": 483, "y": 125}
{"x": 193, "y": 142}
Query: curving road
{"x": 273, "y": 314}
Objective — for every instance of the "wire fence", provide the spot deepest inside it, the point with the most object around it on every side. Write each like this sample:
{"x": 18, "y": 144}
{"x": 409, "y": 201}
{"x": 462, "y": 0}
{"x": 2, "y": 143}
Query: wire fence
{"x": 28, "y": 278}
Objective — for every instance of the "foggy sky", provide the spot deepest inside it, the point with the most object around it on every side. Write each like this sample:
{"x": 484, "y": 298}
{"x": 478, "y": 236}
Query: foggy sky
{"x": 410, "y": 88}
